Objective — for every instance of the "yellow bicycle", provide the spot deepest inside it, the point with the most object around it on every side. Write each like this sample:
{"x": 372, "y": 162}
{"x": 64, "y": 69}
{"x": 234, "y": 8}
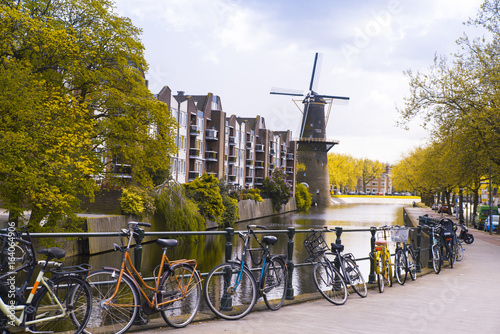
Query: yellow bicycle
{"x": 381, "y": 258}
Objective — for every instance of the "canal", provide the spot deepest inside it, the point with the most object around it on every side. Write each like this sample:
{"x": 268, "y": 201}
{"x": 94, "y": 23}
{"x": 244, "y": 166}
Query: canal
{"x": 209, "y": 250}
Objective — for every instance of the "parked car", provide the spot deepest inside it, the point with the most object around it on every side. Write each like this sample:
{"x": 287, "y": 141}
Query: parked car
{"x": 397, "y": 194}
{"x": 445, "y": 208}
{"x": 381, "y": 194}
{"x": 494, "y": 221}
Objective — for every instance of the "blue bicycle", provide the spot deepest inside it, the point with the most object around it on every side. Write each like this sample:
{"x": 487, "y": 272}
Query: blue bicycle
{"x": 231, "y": 288}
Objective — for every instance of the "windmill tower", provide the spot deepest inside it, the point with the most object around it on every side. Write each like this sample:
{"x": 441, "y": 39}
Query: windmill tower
{"x": 313, "y": 145}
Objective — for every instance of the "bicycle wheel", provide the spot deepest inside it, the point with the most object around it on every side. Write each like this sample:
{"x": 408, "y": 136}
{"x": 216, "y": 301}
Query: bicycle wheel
{"x": 356, "y": 278}
{"x": 469, "y": 238}
{"x": 388, "y": 269}
{"x": 118, "y": 314}
{"x": 410, "y": 263}
{"x": 276, "y": 278}
{"x": 74, "y": 296}
{"x": 400, "y": 266}
{"x": 330, "y": 283}
{"x": 225, "y": 297}
{"x": 379, "y": 269}
{"x": 436, "y": 258}
{"x": 182, "y": 284}
{"x": 450, "y": 254}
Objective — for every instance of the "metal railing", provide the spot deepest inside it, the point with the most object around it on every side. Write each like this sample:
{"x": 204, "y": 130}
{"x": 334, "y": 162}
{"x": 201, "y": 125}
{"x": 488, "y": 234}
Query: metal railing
{"x": 229, "y": 233}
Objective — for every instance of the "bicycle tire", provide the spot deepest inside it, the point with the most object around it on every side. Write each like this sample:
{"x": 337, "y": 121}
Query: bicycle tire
{"x": 436, "y": 258}
{"x": 114, "y": 318}
{"x": 388, "y": 268}
{"x": 356, "y": 279}
{"x": 400, "y": 266}
{"x": 225, "y": 301}
{"x": 181, "y": 312}
{"x": 74, "y": 295}
{"x": 410, "y": 263}
{"x": 275, "y": 283}
{"x": 469, "y": 238}
{"x": 450, "y": 254}
{"x": 330, "y": 283}
{"x": 379, "y": 270}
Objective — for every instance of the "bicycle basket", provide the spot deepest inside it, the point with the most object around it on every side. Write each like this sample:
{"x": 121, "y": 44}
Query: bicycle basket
{"x": 399, "y": 234}
{"x": 315, "y": 245}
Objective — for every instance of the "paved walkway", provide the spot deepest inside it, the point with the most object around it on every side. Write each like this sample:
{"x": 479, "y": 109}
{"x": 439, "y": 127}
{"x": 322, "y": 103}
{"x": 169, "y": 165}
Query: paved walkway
{"x": 465, "y": 299}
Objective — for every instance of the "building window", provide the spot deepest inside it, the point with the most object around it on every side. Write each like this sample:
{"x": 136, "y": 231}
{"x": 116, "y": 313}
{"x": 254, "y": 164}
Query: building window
{"x": 374, "y": 183}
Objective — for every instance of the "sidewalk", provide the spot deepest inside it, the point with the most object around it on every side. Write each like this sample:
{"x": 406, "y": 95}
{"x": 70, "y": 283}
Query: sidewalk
{"x": 464, "y": 299}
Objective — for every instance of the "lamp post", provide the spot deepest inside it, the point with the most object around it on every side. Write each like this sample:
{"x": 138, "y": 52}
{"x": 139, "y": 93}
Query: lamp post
{"x": 490, "y": 199}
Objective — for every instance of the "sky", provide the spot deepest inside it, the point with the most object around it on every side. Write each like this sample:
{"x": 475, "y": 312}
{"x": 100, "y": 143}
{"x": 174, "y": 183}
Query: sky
{"x": 240, "y": 49}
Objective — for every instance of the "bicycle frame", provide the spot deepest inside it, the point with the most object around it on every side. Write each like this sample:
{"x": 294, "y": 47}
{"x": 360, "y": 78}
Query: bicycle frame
{"x": 128, "y": 268}
{"x": 246, "y": 237}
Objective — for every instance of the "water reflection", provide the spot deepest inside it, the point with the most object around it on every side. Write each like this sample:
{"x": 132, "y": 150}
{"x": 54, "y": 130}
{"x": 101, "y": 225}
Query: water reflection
{"x": 209, "y": 250}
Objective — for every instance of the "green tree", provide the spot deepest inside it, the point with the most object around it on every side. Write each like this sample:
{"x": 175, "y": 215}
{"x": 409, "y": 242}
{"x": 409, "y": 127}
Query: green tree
{"x": 370, "y": 170}
{"x": 73, "y": 99}
{"x": 205, "y": 192}
{"x": 175, "y": 212}
{"x": 277, "y": 188}
{"x": 344, "y": 171}
{"x": 303, "y": 198}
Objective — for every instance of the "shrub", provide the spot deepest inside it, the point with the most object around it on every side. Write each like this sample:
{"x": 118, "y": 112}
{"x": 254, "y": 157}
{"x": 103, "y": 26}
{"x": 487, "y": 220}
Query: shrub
{"x": 303, "y": 197}
{"x": 278, "y": 188}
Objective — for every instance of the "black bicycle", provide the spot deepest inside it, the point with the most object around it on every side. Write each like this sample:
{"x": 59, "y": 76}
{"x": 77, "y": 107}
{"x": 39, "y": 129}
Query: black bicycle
{"x": 231, "y": 288}
{"x": 61, "y": 303}
{"x": 333, "y": 271}
{"x": 405, "y": 256}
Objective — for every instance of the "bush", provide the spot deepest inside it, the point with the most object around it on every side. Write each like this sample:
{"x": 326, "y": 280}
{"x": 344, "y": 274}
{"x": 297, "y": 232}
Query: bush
{"x": 278, "y": 188}
{"x": 303, "y": 197}
{"x": 136, "y": 201}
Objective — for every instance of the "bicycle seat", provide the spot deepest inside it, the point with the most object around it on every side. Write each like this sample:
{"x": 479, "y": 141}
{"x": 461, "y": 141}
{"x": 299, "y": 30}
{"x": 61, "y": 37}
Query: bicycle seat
{"x": 53, "y": 252}
{"x": 338, "y": 247}
{"x": 167, "y": 242}
{"x": 269, "y": 239}
{"x": 381, "y": 242}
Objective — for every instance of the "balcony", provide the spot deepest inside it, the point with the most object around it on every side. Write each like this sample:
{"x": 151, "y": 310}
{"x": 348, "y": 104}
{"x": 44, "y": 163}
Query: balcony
{"x": 194, "y": 153}
{"x": 211, "y": 134}
{"x": 249, "y": 163}
{"x": 289, "y": 156}
{"x": 194, "y": 130}
{"x": 193, "y": 175}
{"x": 210, "y": 156}
{"x": 259, "y": 164}
{"x": 259, "y": 148}
{"x": 272, "y": 151}
{"x": 249, "y": 145}
{"x": 122, "y": 171}
{"x": 258, "y": 181}
{"x": 232, "y": 159}
{"x": 289, "y": 170}
{"x": 232, "y": 140}
{"x": 272, "y": 166}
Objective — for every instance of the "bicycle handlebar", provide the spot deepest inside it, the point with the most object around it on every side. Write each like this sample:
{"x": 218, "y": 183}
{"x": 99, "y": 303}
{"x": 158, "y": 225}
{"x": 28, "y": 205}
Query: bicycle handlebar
{"x": 139, "y": 224}
{"x": 249, "y": 227}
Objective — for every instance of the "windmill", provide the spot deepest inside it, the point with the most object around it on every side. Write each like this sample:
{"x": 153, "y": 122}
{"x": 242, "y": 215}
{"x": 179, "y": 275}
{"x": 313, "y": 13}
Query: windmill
{"x": 313, "y": 145}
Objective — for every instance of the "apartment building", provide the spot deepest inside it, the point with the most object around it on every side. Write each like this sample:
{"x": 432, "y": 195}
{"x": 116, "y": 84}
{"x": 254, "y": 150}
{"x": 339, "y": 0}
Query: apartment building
{"x": 240, "y": 150}
{"x": 380, "y": 185}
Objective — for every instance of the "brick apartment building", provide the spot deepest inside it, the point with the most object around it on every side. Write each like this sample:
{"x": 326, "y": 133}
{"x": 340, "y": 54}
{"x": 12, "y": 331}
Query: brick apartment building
{"x": 240, "y": 150}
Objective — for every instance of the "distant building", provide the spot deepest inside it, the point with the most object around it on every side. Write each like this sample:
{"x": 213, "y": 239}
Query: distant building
{"x": 380, "y": 185}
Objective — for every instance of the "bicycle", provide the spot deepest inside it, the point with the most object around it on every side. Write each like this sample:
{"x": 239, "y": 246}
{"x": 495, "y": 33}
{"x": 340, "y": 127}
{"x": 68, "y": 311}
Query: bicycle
{"x": 381, "y": 258}
{"x": 435, "y": 248}
{"x": 448, "y": 240}
{"x": 405, "y": 257}
{"x": 59, "y": 303}
{"x": 332, "y": 271}
{"x": 230, "y": 288}
{"x": 119, "y": 295}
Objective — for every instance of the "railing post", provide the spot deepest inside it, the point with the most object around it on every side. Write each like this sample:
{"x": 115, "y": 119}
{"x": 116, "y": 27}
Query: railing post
{"x": 338, "y": 230}
{"x": 419, "y": 248}
{"x": 289, "y": 263}
{"x": 371, "y": 276}
{"x": 229, "y": 243}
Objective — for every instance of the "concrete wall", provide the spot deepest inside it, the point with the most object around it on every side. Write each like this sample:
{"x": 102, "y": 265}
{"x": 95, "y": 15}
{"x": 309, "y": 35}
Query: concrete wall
{"x": 250, "y": 209}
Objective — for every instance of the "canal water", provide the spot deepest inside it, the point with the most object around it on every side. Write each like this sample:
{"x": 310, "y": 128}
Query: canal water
{"x": 209, "y": 250}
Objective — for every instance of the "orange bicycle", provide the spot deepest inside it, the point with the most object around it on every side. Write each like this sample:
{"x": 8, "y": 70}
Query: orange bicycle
{"x": 118, "y": 296}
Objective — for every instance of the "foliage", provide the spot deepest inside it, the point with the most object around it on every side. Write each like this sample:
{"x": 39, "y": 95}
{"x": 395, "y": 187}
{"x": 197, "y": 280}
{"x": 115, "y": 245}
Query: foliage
{"x": 72, "y": 100}
{"x": 176, "y": 211}
{"x": 303, "y": 197}
{"x": 344, "y": 171}
{"x": 277, "y": 188}
{"x": 136, "y": 201}
{"x": 370, "y": 170}
{"x": 205, "y": 192}
{"x": 231, "y": 212}
{"x": 254, "y": 194}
